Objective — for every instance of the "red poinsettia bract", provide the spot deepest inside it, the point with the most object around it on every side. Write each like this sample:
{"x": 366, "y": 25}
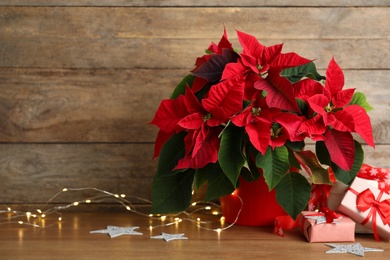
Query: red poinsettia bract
{"x": 203, "y": 120}
{"x": 337, "y": 118}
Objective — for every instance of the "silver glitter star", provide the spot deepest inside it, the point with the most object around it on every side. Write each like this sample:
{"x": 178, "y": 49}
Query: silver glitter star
{"x": 321, "y": 219}
{"x": 169, "y": 237}
{"x": 114, "y": 231}
{"x": 356, "y": 249}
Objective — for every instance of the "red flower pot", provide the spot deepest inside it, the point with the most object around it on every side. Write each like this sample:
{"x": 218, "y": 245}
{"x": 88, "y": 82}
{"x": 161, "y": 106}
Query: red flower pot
{"x": 259, "y": 206}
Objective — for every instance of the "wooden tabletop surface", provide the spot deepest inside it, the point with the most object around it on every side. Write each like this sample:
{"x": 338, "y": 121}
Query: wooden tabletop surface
{"x": 70, "y": 238}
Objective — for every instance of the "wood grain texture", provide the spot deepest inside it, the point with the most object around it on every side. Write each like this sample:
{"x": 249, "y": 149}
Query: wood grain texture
{"x": 80, "y": 79}
{"x": 215, "y": 3}
{"x": 193, "y": 22}
{"x": 66, "y": 38}
{"x": 115, "y": 105}
{"x": 32, "y": 173}
{"x": 71, "y": 239}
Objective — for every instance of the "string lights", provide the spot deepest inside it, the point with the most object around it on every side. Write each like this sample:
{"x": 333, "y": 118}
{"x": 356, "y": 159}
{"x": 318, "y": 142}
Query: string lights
{"x": 193, "y": 215}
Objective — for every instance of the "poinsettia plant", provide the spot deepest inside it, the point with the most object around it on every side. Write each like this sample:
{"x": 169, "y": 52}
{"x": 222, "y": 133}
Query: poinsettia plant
{"x": 249, "y": 113}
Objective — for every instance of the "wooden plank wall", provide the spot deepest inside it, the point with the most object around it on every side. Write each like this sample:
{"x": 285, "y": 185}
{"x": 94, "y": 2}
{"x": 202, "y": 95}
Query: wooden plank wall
{"x": 80, "y": 79}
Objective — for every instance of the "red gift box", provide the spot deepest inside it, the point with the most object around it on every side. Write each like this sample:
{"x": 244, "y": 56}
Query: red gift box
{"x": 366, "y": 204}
{"x": 343, "y": 230}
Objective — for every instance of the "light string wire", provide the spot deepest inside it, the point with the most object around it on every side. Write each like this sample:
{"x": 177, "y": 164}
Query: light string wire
{"x": 104, "y": 196}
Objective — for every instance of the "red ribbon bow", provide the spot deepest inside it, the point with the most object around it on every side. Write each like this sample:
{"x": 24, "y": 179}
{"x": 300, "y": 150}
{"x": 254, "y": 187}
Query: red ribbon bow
{"x": 366, "y": 200}
{"x": 330, "y": 215}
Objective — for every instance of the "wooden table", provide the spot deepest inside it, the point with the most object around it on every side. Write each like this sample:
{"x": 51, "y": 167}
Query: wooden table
{"x": 71, "y": 239}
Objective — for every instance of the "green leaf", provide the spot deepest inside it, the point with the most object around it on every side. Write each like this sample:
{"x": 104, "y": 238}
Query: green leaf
{"x": 360, "y": 99}
{"x": 247, "y": 175}
{"x": 295, "y": 74}
{"x": 310, "y": 163}
{"x": 348, "y": 176}
{"x": 230, "y": 156}
{"x": 172, "y": 193}
{"x": 323, "y": 153}
{"x": 172, "y": 151}
{"x": 293, "y": 193}
{"x": 200, "y": 177}
{"x": 218, "y": 183}
{"x": 251, "y": 153}
{"x": 275, "y": 165}
{"x": 293, "y": 160}
{"x": 303, "y": 106}
{"x": 295, "y": 146}
{"x": 181, "y": 88}
{"x": 172, "y": 190}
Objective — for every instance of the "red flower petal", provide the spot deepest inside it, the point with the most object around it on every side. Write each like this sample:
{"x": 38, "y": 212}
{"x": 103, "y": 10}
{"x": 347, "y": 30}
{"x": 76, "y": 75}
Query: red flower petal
{"x": 318, "y": 103}
{"x": 259, "y": 133}
{"x": 280, "y": 92}
{"x": 192, "y": 122}
{"x": 342, "y": 121}
{"x": 192, "y": 103}
{"x": 205, "y": 151}
{"x": 306, "y": 88}
{"x": 169, "y": 113}
{"x": 341, "y": 148}
{"x": 362, "y": 123}
{"x": 288, "y": 60}
{"x": 161, "y": 138}
{"x": 334, "y": 77}
{"x": 343, "y": 97}
{"x": 225, "y": 98}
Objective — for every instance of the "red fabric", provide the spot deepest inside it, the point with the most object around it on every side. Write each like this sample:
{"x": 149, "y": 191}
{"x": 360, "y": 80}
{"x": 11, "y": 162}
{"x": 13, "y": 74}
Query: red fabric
{"x": 285, "y": 222}
{"x": 381, "y": 175}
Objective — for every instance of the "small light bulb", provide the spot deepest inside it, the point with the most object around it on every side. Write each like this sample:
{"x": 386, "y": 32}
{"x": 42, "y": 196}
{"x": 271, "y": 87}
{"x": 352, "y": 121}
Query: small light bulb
{"x": 20, "y": 222}
{"x": 88, "y": 201}
{"x": 60, "y": 219}
{"x": 128, "y": 208}
{"x": 207, "y": 208}
{"x": 198, "y": 219}
{"x": 163, "y": 218}
{"x": 75, "y": 203}
{"x": 123, "y": 195}
{"x": 39, "y": 211}
{"x": 64, "y": 189}
{"x": 193, "y": 204}
{"x": 43, "y": 215}
{"x": 116, "y": 196}
{"x": 215, "y": 213}
{"x": 150, "y": 215}
{"x": 9, "y": 209}
{"x": 218, "y": 230}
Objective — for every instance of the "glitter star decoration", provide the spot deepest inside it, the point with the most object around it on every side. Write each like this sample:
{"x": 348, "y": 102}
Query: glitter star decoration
{"x": 168, "y": 237}
{"x": 114, "y": 231}
{"x": 356, "y": 249}
{"x": 321, "y": 219}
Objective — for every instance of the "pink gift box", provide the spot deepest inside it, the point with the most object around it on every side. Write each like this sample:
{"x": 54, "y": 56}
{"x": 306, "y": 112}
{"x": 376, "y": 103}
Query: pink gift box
{"x": 349, "y": 206}
{"x": 342, "y": 231}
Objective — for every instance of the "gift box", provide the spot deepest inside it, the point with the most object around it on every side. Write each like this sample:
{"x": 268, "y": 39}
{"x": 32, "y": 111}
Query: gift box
{"x": 342, "y": 230}
{"x": 336, "y": 195}
{"x": 369, "y": 206}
